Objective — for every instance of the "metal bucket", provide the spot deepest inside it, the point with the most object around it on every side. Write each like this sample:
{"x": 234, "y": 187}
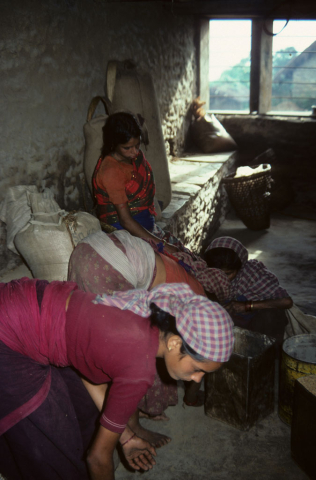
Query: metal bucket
{"x": 241, "y": 393}
{"x": 298, "y": 360}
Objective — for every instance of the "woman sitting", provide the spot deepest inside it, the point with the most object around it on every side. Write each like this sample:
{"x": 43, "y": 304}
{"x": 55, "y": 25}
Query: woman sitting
{"x": 123, "y": 182}
{"x": 255, "y": 298}
{"x": 45, "y": 427}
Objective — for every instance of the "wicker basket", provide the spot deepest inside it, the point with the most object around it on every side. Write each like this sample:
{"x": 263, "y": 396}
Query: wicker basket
{"x": 250, "y": 197}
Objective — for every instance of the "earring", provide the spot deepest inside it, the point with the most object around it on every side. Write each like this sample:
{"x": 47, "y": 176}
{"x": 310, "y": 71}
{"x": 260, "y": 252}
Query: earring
{"x": 169, "y": 349}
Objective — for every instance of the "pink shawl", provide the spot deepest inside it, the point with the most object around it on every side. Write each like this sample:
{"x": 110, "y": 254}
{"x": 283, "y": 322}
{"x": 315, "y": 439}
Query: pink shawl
{"x": 40, "y": 336}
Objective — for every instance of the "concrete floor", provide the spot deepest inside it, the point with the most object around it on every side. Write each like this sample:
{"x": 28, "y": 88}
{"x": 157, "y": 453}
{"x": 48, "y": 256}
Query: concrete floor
{"x": 203, "y": 448}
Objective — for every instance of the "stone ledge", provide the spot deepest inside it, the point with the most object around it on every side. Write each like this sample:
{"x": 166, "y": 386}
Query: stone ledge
{"x": 199, "y": 204}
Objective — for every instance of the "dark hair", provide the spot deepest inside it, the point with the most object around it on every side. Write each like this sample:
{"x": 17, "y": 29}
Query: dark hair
{"x": 222, "y": 258}
{"x": 119, "y": 128}
{"x": 167, "y": 324}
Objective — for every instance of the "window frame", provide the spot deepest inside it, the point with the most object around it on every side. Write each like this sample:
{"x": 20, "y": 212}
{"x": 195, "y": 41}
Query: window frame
{"x": 261, "y": 57}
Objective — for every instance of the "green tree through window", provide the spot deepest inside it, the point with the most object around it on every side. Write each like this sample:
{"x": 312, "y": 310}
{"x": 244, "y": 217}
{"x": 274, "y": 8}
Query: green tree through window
{"x": 231, "y": 90}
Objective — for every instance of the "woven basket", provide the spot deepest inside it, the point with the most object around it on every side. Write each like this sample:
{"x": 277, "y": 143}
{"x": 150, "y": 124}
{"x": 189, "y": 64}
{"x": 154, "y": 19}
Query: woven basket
{"x": 250, "y": 197}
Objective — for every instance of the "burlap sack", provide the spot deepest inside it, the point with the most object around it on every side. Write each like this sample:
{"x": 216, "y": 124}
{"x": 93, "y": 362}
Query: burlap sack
{"x": 299, "y": 322}
{"x": 48, "y": 239}
{"x": 210, "y": 136}
{"x": 93, "y": 135}
{"x": 128, "y": 87}
{"x": 15, "y": 211}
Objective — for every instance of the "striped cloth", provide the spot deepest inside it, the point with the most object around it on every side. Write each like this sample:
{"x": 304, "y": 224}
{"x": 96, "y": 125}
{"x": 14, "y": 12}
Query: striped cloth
{"x": 253, "y": 281}
{"x": 204, "y": 325}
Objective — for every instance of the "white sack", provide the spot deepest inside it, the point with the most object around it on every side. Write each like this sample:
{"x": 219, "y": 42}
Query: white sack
{"x": 50, "y": 236}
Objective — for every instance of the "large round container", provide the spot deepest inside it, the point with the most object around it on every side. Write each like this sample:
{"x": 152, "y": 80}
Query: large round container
{"x": 250, "y": 197}
{"x": 298, "y": 360}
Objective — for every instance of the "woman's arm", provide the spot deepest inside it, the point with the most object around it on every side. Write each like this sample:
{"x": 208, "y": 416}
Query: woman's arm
{"x": 134, "y": 228}
{"x": 97, "y": 392}
{"x": 242, "y": 307}
{"x": 137, "y": 451}
{"x": 100, "y": 456}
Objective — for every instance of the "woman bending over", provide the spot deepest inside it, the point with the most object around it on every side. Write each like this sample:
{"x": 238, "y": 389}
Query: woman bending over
{"x": 108, "y": 263}
{"x": 46, "y": 420}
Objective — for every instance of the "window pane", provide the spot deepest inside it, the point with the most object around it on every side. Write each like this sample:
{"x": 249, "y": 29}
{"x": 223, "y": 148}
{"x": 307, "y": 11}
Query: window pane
{"x": 294, "y": 66}
{"x": 229, "y": 72}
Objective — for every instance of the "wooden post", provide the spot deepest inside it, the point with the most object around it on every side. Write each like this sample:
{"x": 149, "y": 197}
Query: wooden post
{"x": 203, "y": 68}
{"x": 261, "y": 67}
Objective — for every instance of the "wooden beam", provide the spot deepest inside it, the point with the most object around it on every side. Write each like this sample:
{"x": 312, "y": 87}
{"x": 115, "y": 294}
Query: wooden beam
{"x": 265, "y": 84}
{"x": 298, "y": 9}
{"x": 255, "y": 65}
{"x": 204, "y": 61}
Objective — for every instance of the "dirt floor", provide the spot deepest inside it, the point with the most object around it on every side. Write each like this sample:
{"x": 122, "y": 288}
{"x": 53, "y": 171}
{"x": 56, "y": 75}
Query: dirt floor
{"x": 203, "y": 448}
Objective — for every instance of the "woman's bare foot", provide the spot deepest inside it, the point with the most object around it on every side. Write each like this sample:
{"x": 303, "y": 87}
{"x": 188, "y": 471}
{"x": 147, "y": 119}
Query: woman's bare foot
{"x": 162, "y": 417}
{"x": 156, "y": 439}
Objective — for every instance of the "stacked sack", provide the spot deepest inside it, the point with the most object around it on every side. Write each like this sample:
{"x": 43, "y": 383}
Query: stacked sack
{"x": 50, "y": 234}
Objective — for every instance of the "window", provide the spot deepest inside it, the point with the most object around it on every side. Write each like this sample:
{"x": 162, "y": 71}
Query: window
{"x": 268, "y": 67}
{"x": 294, "y": 66}
{"x": 229, "y": 74}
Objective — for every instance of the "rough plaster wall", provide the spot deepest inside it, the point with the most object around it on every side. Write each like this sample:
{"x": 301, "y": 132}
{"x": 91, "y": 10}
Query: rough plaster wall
{"x": 53, "y": 61}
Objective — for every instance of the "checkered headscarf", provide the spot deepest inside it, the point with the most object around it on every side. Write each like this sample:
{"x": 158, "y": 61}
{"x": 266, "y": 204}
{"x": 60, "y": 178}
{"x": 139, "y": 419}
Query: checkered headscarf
{"x": 233, "y": 244}
{"x": 204, "y": 325}
{"x": 253, "y": 281}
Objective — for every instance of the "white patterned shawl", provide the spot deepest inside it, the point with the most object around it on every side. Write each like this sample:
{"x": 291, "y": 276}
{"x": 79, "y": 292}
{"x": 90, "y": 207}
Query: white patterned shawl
{"x": 137, "y": 266}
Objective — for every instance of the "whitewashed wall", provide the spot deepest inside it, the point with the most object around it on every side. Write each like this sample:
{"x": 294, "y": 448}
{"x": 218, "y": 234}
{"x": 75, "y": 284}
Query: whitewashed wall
{"x": 54, "y": 55}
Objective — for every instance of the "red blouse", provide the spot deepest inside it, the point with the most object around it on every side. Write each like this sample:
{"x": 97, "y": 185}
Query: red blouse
{"x": 175, "y": 273}
{"x": 106, "y": 344}
{"x": 112, "y": 177}
{"x": 117, "y": 182}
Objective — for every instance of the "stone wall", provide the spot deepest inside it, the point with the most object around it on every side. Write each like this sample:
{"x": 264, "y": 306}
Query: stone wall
{"x": 201, "y": 208}
{"x": 54, "y": 56}
{"x": 204, "y": 214}
{"x": 293, "y": 140}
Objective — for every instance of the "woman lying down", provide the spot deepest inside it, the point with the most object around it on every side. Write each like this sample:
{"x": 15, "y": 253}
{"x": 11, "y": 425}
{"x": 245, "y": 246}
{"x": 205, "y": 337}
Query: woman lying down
{"x": 47, "y": 418}
{"x": 255, "y": 299}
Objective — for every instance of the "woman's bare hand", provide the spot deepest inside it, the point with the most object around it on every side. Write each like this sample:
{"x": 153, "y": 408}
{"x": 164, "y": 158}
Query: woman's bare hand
{"x": 170, "y": 248}
{"x": 139, "y": 453}
{"x": 283, "y": 303}
{"x": 238, "y": 307}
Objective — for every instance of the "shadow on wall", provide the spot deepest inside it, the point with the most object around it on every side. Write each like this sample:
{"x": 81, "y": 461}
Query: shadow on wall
{"x": 65, "y": 185}
{"x": 292, "y": 139}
